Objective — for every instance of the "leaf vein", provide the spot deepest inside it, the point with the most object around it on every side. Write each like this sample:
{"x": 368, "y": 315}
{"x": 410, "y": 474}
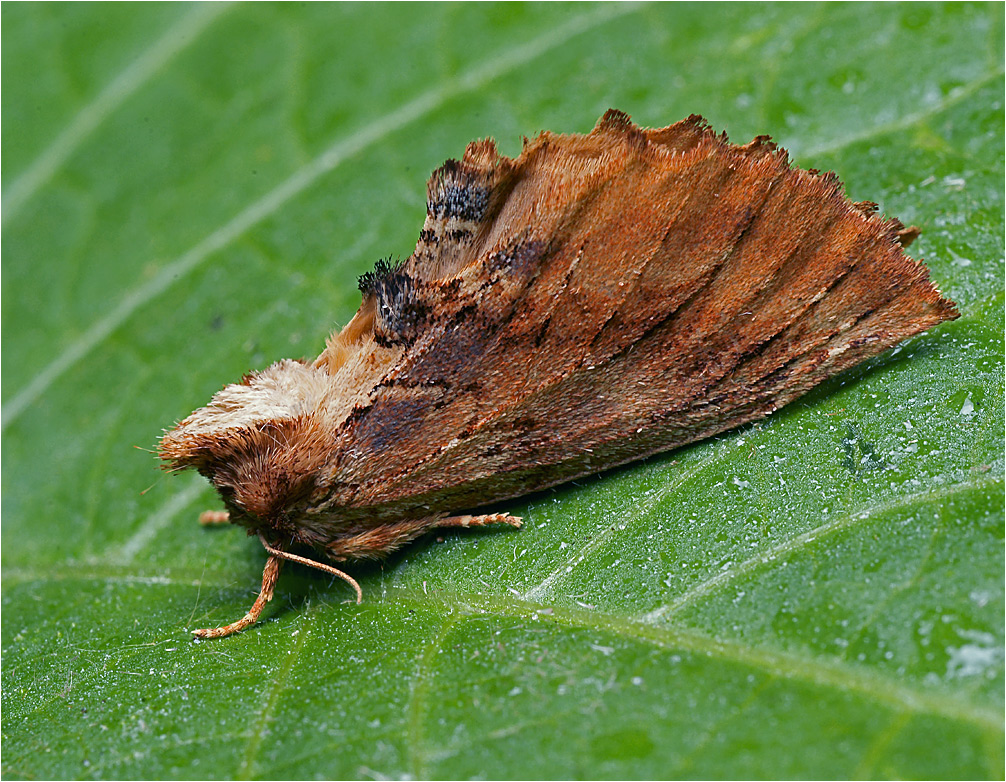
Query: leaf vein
{"x": 276, "y": 688}
{"x": 956, "y": 96}
{"x": 784, "y": 549}
{"x": 302, "y": 178}
{"x": 132, "y": 77}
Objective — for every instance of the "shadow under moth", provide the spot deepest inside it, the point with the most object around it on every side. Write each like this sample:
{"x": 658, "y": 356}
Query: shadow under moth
{"x": 598, "y": 299}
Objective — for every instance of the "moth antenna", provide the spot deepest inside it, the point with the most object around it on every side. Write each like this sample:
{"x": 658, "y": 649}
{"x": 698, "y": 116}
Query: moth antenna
{"x": 318, "y": 565}
{"x": 270, "y": 575}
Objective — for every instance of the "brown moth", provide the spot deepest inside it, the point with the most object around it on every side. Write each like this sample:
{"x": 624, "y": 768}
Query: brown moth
{"x": 595, "y": 300}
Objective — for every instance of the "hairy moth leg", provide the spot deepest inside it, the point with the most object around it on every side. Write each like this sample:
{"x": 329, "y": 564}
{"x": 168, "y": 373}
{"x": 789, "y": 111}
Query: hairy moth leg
{"x": 375, "y": 542}
{"x": 209, "y": 517}
{"x": 479, "y": 521}
{"x": 269, "y": 576}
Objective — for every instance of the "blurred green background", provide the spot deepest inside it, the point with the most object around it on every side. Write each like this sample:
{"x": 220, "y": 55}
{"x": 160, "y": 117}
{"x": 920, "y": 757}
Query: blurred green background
{"x": 189, "y": 192}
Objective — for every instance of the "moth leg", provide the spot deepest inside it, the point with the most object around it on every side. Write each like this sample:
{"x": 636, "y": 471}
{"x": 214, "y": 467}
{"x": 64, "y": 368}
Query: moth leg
{"x": 479, "y": 521}
{"x": 208, "y": 517}
{"x": 375, "y": 542}
{"x": 269, "y": 576}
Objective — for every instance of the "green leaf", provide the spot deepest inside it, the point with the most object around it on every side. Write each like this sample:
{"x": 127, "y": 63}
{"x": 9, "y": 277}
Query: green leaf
{"x": 189, "y": 192}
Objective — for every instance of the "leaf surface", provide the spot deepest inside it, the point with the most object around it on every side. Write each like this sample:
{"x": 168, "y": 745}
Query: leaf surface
{"x": 189, "y": 192}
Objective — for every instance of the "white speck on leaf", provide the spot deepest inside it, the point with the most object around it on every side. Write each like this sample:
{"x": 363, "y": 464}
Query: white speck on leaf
{"x": 973, "y": 659}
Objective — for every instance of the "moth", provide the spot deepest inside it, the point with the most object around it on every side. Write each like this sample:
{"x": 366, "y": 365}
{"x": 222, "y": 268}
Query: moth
{"x": 595, "y": 300}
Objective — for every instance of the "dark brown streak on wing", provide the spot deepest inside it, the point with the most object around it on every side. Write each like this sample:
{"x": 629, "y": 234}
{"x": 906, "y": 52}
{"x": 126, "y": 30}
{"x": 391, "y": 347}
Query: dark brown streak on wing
{"x": 768, "y": 285}
{"x": 559, "y": 305}
{"x": 729, "y": 225}
{"x": 380, "y": 441}
{"x": 681, "y": 269}
{"x": 870, "y": 287}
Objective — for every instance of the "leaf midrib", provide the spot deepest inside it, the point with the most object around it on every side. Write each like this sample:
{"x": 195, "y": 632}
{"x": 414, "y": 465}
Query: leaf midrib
{"x": 836, "y": 674}
{"x": 817, "y": 669}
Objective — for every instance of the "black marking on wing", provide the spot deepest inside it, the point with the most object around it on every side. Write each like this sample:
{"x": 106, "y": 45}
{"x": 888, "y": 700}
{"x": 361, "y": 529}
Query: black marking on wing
{"x": 464, "y": 203}
{"x": 401, "y": 312}
{"x": 459, "y": 193}
{"x": 384, "y": 269}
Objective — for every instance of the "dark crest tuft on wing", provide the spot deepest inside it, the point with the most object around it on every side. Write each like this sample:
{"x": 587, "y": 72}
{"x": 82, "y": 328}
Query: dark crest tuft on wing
{"x": 368, "y": 282}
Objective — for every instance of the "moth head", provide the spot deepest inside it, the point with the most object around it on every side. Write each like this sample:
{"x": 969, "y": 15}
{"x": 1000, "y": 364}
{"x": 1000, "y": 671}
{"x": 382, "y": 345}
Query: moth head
{"x": 259, "y": 442}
